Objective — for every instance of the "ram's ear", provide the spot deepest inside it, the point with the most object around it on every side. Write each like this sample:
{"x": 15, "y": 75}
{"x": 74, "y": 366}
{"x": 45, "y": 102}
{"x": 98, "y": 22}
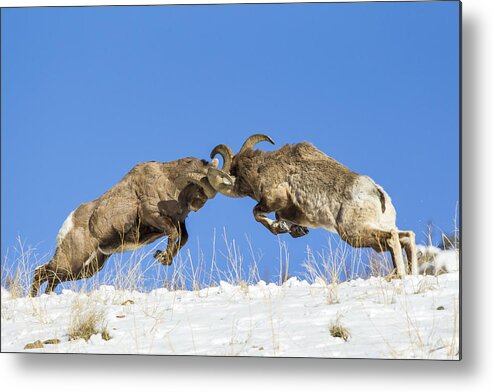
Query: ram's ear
{"x": 227, "y": 180}
{"x": 218, "y": 176}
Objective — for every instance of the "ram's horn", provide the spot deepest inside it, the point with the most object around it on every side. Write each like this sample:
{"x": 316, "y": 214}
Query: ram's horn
{"x": 253, "y": 140}
{"x": 222, "y": 182}
{"x": 202, "y": 181}
{"x": 226, "y": 153}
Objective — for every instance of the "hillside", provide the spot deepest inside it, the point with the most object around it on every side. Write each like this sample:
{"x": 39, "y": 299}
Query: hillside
{"x": 416, "y": 317}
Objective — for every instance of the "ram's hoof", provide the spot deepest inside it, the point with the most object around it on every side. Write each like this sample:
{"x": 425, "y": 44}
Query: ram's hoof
{"x": 280, "y": 227}
{"x": 298, "y": 231}
{"x": 162, "y": 257}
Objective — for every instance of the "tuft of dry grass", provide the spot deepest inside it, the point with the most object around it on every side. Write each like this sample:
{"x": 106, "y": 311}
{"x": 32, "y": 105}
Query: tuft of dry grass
{"x": 14, "y": 285}
{"x": 337, "y": 330}
{"x": 332, "y": 294}
{"x": 337, "y": 263}
{"x": 17, "y": 268}
{"x": 381, "y": 266}
{"x": 86, "y": 322}
{"x": 426, "y": 284}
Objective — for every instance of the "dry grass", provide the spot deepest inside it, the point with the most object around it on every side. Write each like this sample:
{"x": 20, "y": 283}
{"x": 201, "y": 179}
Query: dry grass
{"x": 338, "y": 263}
{"x": 138, "y": 271}
{"x": 17, "y": 268}
{"x": 337, "y": 330}
{"x": 86, "y": 321}
{"x": 453, "y": 346}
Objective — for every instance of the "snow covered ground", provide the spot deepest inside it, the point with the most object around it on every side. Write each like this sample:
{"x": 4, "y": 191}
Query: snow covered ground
{"x": 414, "y": 317}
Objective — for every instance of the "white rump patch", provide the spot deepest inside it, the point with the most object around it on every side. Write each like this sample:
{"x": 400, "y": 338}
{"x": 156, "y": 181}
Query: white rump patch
{"x": 66, "y": 227}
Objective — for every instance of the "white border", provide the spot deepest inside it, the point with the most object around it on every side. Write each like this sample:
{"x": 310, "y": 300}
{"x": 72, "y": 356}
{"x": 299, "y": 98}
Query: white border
{"x": 31, "y": 3}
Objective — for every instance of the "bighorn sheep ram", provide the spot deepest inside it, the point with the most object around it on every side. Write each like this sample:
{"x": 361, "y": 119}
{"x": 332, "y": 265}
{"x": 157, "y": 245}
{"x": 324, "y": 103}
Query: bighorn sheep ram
{"x": 150, "y": 202}
{"x": 306, "y": 188}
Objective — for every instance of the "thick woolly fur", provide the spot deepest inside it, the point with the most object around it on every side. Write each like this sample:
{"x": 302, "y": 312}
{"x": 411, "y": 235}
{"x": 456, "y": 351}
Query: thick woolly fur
{"x": 306, "y": 188}
{"x": 151, "y": 201}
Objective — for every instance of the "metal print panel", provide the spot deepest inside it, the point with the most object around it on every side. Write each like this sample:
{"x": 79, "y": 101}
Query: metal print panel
{"x": 274, "y": 180}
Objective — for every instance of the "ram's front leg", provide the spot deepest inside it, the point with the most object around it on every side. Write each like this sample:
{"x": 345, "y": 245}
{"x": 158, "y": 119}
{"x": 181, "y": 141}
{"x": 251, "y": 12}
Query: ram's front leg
{"x": 166, "y": 226}
{"x": 166, "y": 257}
{"x": 177, "y": 238}
{"x": 295, "y": 230}
{"x": 182, "y": 236}
{"x": 274, "y": 226}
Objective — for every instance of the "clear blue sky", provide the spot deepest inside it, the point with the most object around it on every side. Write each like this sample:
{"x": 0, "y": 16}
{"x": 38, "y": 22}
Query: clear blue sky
{"x": 87, "y": 93}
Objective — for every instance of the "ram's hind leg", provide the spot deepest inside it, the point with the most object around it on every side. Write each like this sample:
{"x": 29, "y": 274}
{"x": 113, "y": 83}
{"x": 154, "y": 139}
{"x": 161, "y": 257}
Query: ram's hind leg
{"x": 40, "y": 276}
{"x": 55, "y": 277}
{"x": 74, "y": 271}
{"x": 47, "y": 273}
{"x": 396, "y": 253}
{"x": 53, "y": 282}
{"x": 408, "y": 242}
{"x": 380, "y": 241}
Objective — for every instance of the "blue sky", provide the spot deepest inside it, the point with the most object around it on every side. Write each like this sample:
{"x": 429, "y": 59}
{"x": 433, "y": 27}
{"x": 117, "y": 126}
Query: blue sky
{"x": 89, "y": 92}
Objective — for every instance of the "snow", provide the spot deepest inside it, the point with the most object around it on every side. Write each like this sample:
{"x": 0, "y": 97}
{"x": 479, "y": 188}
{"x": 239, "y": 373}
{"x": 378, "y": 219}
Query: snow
{"x": 413, "y": 317}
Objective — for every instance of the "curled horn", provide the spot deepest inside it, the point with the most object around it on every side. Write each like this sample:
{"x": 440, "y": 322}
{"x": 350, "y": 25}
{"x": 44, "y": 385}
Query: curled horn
{"x": 253, "y": 140}
{"x": 200, "y": 180}
{"x": 222, "y": 182}
{"x": 226, "y": 153}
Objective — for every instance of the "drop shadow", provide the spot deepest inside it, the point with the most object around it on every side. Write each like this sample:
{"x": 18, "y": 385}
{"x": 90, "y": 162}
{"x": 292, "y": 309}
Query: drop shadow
{"x": 40, "y": 364}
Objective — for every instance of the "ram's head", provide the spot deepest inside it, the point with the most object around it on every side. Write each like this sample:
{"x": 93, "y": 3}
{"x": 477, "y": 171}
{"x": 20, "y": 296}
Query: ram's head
{"x": 221, "y": 179}
{"x": 196, "y": 196}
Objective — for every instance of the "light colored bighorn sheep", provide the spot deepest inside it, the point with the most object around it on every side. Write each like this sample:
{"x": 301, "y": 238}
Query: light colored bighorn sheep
{"x": 151, "y": 201}
{"x": 306, "y": 188}
{"x": 429, "y": 260}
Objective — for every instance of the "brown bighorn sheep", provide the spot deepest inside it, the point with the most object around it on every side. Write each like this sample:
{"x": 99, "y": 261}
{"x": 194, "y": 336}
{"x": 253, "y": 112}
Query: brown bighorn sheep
{"x": 150, "y": 202}
{"x": 306, "y": 188}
